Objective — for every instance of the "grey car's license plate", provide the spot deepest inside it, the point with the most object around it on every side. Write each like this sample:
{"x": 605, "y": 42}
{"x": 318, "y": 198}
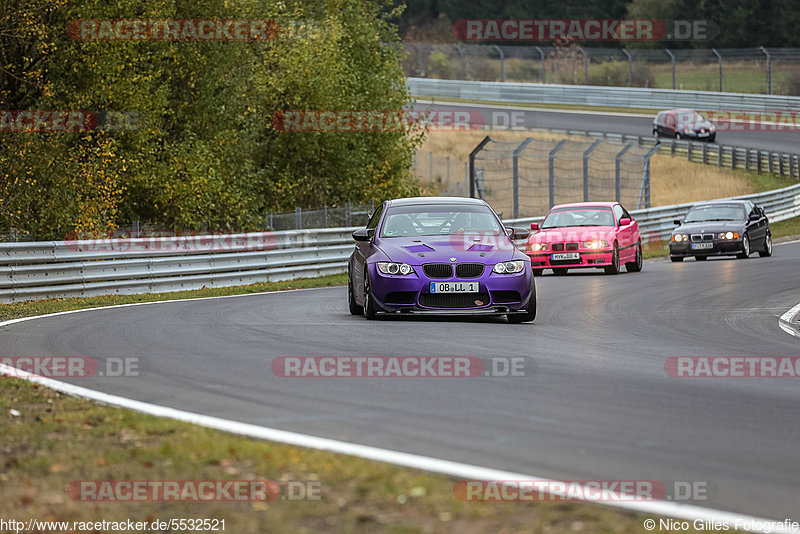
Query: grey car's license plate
{"x": 698, "y": 246}
{"x": 455, "y": 287}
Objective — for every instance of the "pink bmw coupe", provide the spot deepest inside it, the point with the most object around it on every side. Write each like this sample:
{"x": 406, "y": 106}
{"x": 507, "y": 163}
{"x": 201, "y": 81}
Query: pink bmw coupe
{"x": 602, "y": 235}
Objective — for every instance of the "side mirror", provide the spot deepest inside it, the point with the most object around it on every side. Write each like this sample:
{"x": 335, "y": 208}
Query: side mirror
{"x": 362, "y": 234}
{"x": 625, "y": 221}
{"x": 677, "y": 222}
{"x": 518, "y": 233}
{"x": 534, "y": 226}
{"x": 754, "y": 216}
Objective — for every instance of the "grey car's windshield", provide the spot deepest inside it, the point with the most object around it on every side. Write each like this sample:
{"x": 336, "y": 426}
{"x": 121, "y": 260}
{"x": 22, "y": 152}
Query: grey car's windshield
{"x": 430, "y": 220}
{"x": 579, "y": 217}
{"x": 715, "y": 213}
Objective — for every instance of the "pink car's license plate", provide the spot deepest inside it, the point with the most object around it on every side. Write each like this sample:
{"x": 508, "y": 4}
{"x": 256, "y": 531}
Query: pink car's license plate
{"x": 566, "y": 256}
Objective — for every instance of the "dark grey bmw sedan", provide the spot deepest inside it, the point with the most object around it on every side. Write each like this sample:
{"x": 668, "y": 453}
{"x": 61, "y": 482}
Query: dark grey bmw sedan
{"x": 721, "y": 228}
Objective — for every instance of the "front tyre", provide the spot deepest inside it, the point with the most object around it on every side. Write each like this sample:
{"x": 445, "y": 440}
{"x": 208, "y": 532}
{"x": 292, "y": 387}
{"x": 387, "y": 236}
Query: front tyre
{"x": 676, "y": 259}
{"x": 636, "y": 265}
{"x": 352, "y": 305}
{"x": 614, "y": 267}
{"x": 745, "y": 253}
{"x": 530, "y": 312}
{"x": 767, "y": 252}
{"x": 370, "y": 311}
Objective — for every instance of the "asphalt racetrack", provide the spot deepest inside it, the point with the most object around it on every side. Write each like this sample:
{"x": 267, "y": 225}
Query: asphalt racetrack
{"x": 762, "y": 137}
{"x": 596, "y": 403}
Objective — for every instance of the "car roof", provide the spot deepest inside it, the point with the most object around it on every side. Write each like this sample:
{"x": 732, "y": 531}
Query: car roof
{"x": 421, "y": 201}
{"x": 720, "y": 201}
{"x": 585, "y": 204}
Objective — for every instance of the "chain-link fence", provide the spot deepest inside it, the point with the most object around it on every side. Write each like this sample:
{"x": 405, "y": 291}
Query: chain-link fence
{"x": 441, "y": 175}
{"x": 526, "y": 178}
{"x": 328, "y": 217}
{"x": 736, "y": 70}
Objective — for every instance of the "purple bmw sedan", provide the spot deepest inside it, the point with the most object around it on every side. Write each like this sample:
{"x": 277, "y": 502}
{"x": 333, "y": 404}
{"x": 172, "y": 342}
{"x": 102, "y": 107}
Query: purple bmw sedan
{"x": 440, "y": 255}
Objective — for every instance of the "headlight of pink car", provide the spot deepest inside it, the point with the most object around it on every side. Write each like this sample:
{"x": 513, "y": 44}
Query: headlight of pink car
{"x": 536, "y": 247}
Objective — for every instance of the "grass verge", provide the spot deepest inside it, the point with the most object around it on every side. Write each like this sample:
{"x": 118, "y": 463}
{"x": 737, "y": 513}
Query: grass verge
{"x": 57, "y": 439}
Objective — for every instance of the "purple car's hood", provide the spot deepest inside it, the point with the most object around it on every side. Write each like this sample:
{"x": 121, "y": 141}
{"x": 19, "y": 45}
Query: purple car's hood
{"x": 495, "y": 248}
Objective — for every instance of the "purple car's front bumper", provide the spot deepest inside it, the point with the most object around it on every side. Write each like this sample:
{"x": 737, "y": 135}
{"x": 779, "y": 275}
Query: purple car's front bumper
{"x": 498, "y": 294}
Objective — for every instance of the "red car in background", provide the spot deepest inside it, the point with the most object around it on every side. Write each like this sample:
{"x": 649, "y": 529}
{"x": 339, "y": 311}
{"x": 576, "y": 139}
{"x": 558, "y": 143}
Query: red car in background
{"x": 601, "y": 235}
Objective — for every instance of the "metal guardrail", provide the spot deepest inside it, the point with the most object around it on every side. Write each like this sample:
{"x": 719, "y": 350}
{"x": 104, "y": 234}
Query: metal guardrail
{"x": 656, "y": 224}
{"x": 59, "y": 269}
{"x": 727, "y": 156}
{"x": 590, "y": 95}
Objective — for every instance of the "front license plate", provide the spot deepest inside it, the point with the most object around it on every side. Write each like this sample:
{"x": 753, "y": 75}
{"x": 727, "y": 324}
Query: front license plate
{"x": 566, "y": 256}
{"x": 698, "y": 246}
{"x": 455, "y": 287}
{"x": 703, "y": 134}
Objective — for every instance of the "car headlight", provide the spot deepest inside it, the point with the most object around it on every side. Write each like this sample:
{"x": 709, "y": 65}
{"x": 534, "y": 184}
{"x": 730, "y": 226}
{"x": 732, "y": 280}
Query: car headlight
{"x": 509, "y": 267}
{"x": 680, "y": 237}
{"x": 536, "y": 247}
{"x": 386, "y": 267}
{"x": 729, "y": 235}
{"x": 597, "y": 243}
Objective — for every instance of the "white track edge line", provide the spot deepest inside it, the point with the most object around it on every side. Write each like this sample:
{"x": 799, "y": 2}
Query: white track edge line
{"x": 415, "y": 461}
{"x": 785, "y": 321}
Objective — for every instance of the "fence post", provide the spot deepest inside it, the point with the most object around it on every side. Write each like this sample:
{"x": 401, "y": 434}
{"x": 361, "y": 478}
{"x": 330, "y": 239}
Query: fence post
{"x": 585, "y": 66}
{"x": 298, "y": 218}
{"x": 645, "y": 189}
{"x": 672, "y": 57}
{"x": 769, "y": 161}
{"x": 719, "y": 57}
{"x": 325, "y": 216}
{"x": 460, "y": 51}
{"x": 758, "y": 158}
{"x": 472, "y": 164}
{"x": 733, "y": 158}
{"x": 502, "y": 63}
{"x": 705, "y": 153}
{"x": 551, "y": 171}
{"x": 630, "y": 67}
{"x": 420, "y": 63}
{"x": 769, "y": 70}
{"x": 749, "y": 152}
{"x": 544, "y": 69}
{"x": 586, "y": 154}
{"x": 517, "y": 152}
{"x": 617, "y": 161}
{"x": 719, "y": 156}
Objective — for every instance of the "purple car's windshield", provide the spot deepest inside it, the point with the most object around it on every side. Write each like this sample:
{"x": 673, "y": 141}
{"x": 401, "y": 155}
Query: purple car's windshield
{"x": 432, "y": 219}
{"x": 579, "y": 217}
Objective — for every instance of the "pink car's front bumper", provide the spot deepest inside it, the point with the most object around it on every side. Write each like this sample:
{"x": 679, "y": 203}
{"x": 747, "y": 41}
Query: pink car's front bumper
{"x": 586, "y": 258}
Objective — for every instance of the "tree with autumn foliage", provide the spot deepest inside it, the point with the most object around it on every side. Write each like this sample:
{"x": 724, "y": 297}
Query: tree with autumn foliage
{"x": 202, "y": 152}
